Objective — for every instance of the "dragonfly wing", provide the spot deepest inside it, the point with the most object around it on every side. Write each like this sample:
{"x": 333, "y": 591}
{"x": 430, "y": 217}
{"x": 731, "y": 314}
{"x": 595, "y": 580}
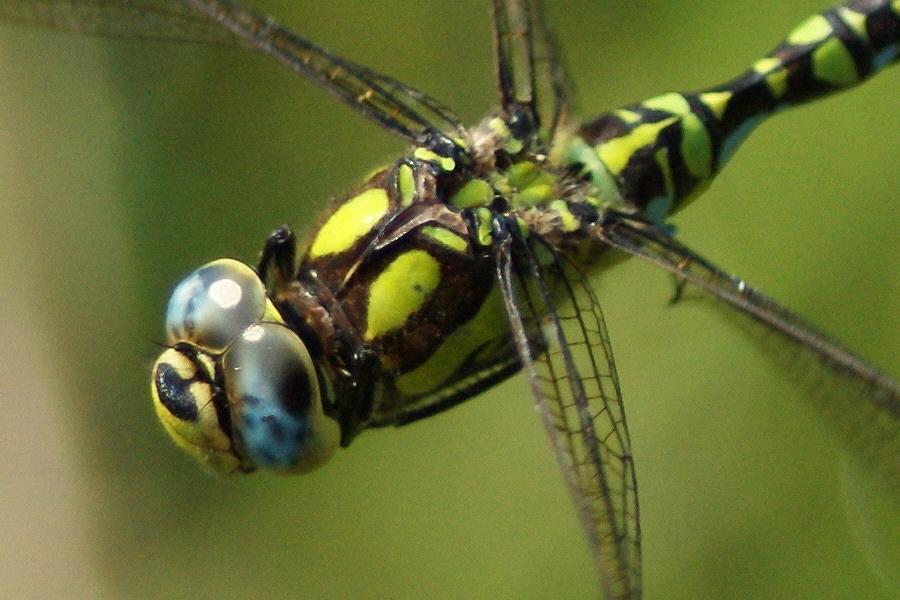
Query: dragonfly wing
{"x": 530, "y": 74}
{"x": 397, "y": 107}
{"x": 149, "y": 19}
{"x": 859, "y": 402}
{"x": 564, "y": 349}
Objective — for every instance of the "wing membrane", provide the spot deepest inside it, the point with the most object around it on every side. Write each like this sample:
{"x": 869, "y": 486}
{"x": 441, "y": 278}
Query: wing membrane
{"x": 530, "y": 74}
{"x": 566, "y": 355}
{"x": 395, "y": 106}
{"x": 149, "y": 19}
{"x": 859, "y": 402}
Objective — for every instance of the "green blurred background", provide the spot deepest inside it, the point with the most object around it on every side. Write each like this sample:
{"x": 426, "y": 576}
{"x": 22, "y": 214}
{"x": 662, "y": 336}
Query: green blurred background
{"x": 124, "y": 164}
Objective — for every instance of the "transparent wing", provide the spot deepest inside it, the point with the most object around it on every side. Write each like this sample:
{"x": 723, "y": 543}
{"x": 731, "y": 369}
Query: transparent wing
{"x": 150, "y": 19}
{"x": 859, "y": 402}
{"x": 531, "y": 80}
{"x": 398, "y": 108}
{"x": 566, "y": 355}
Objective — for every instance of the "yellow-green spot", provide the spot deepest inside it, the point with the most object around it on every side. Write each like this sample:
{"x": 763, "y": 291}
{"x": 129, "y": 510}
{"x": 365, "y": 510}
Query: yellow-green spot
{"x": 533, "y": 194}
{"x": 271, "y": 313}
{"x": 766, "y": 65}
{"x": 444, "y": 162}
{"x": 628, "y": 116}
{"x": 579, "y": 151}
{"x": 774, "y": 73}
{"x": 445, "y": 237}
{"x": 672, "y": 103}
{"x": 696, "y": 147}
{"x": 616, "y": 153}
{"x": 474, "y": 193}
{"x": 501, "y": 130}
{"x": 521, "y": 174}
{"x": 716, "y": 102}
{"x": 854, "y": 20}
{"x": 406, "y": 185}
{"x": 459, "y": 142}
{"x": 483, "y": 226}
{"x": 811, "y": 31}
{"x": 566, "y": 218}
{"x": 833, "y": 63}
{"x": 352, "y": 220}
{"x": 661, "y": 156}
{"x": 498, "y": 126}
{"x": 400, "y": 290}
{"x": 778, "y": 82}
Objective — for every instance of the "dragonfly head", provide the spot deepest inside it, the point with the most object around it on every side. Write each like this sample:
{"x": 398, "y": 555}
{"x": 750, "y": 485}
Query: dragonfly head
{"x": 236, "y": 388}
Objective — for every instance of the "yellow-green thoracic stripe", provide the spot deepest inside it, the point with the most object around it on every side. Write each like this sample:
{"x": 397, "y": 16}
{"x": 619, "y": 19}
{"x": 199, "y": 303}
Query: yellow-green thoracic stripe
{"x": 400, "y": 290}
{"x": 350, "y": 222}
{"x": 659, "y": 154}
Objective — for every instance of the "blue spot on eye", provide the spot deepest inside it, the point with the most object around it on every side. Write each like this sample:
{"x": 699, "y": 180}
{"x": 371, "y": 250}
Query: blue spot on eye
{"x": 275, "y": 430}
{"x": 272, "y": 436}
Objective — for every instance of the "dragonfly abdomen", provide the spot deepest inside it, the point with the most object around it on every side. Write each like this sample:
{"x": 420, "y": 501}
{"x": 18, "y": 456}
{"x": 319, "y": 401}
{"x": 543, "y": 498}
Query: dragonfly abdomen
{"x": 657, "y": 155}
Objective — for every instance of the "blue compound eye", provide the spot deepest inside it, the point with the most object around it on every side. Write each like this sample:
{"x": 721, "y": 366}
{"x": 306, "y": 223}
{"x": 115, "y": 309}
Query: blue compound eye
{"x": 275, "y": 401}
{"x": 214, "y": 304}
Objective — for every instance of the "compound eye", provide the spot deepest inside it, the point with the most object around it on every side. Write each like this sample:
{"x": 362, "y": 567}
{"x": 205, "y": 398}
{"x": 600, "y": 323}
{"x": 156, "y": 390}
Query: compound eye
{"x": 182, "y": 396}
{"x": 214, "y": 304}
{"x": 276, "y": 403}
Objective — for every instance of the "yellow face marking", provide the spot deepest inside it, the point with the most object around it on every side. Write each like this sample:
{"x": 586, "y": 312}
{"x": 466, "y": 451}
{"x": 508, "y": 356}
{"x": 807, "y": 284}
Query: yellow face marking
{"x": 811, "y": 31}
{"x": 202, "y": 437}
{"x": 406, "y": 185}
{"x": 616, "y": 153}
{"x": 833, "y": 63}
{"x": 716, "y": 102}
{"x": 352, "y": 220}
{"x": 400, "y": 290}
{"x": 445, "y": 237}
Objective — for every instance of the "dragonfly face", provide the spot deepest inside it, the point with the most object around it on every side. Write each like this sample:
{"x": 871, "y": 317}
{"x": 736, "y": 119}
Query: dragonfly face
{"x": 237, "y": 389}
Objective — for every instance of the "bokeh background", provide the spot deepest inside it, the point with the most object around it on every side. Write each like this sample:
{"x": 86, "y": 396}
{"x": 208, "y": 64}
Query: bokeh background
{"x": 124, "y": 164}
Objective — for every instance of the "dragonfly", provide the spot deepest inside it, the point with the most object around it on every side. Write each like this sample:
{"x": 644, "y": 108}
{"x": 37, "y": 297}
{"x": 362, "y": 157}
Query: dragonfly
{"x": 466, "y": 261}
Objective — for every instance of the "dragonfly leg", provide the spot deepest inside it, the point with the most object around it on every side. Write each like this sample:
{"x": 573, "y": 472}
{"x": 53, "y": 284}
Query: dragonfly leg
{"x": 277, "y": 261}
